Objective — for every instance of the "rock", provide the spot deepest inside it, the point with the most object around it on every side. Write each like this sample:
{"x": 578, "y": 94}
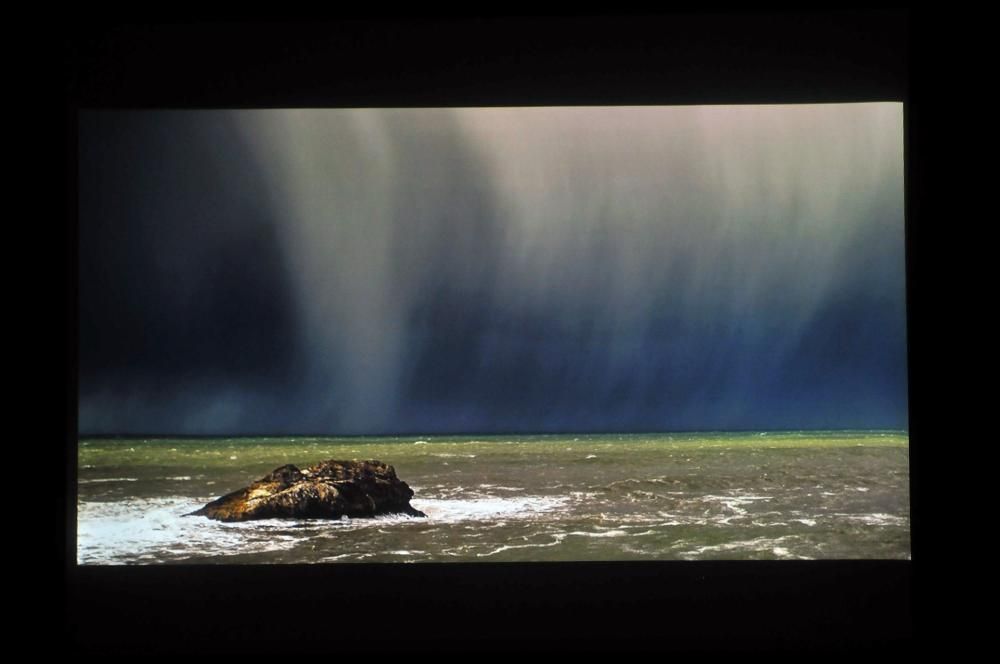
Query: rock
{"x": 328, "y": 490}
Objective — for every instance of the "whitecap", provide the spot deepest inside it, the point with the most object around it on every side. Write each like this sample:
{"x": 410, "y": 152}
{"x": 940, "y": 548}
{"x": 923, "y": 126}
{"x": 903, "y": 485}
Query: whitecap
{"x": 109, "y": 479}
{"x": 496, "y": 487}
{"x": 450, "y": 510}
{"x": 142, "y": 530}
{"x": 557, "y": 539}
{"x": 876, "y": 519}
{"x": 330, "y": 559}
{"x": 758, "y": 544}
{"x": 735, "y": 503}
{"x": 608, "y": 533}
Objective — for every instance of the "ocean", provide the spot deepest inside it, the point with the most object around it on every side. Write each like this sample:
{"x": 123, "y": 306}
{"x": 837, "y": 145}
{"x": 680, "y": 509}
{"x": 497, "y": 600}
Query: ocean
{"x": 512, "y": 498}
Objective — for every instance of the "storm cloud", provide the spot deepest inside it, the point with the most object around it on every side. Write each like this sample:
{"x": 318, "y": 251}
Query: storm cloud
{"x": 492, "y": 269}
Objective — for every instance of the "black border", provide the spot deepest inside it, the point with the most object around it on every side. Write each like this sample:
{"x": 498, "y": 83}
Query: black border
{"x": 684, "y": 57}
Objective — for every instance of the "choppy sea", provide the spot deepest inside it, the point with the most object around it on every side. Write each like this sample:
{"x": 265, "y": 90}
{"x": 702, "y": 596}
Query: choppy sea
{"x": 696, "y": 496}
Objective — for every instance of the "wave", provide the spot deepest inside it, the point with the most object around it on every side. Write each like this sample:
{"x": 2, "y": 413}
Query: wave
{"x": 450, "y": 510}
{"x": 109, "y": 479}
{"x": 877, "y": 519}
{"x": 143, "y": 530}
{"x": 557, "y": 539}
{"x": 776, "y": 546}
{"x": 155, "y": 530}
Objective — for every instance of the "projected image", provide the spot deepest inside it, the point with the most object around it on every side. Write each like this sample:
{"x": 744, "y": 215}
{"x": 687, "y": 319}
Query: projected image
{"x": 492, "y": 334}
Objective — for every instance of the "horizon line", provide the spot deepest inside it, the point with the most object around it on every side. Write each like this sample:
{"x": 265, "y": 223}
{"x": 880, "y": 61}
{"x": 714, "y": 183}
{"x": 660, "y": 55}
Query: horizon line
{"x": 480, "y": 433}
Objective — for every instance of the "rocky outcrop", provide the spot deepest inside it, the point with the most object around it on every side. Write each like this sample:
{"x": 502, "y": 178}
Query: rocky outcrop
{"x": 328, "y": 490}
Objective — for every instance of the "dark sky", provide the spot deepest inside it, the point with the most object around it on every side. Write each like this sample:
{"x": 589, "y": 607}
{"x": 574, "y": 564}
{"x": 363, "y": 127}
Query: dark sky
{"x": 492, "y": 270}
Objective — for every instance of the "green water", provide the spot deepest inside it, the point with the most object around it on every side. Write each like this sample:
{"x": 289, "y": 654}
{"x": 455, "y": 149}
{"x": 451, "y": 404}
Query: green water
{"x": 514, "y": 498}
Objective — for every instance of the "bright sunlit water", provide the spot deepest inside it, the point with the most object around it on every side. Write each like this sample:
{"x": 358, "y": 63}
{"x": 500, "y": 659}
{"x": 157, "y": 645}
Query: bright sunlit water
{"x": 798, "y": 495}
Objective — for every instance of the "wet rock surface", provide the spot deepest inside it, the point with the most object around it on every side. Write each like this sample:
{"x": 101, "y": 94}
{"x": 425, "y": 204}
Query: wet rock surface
{"x": 329, "y": 490}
